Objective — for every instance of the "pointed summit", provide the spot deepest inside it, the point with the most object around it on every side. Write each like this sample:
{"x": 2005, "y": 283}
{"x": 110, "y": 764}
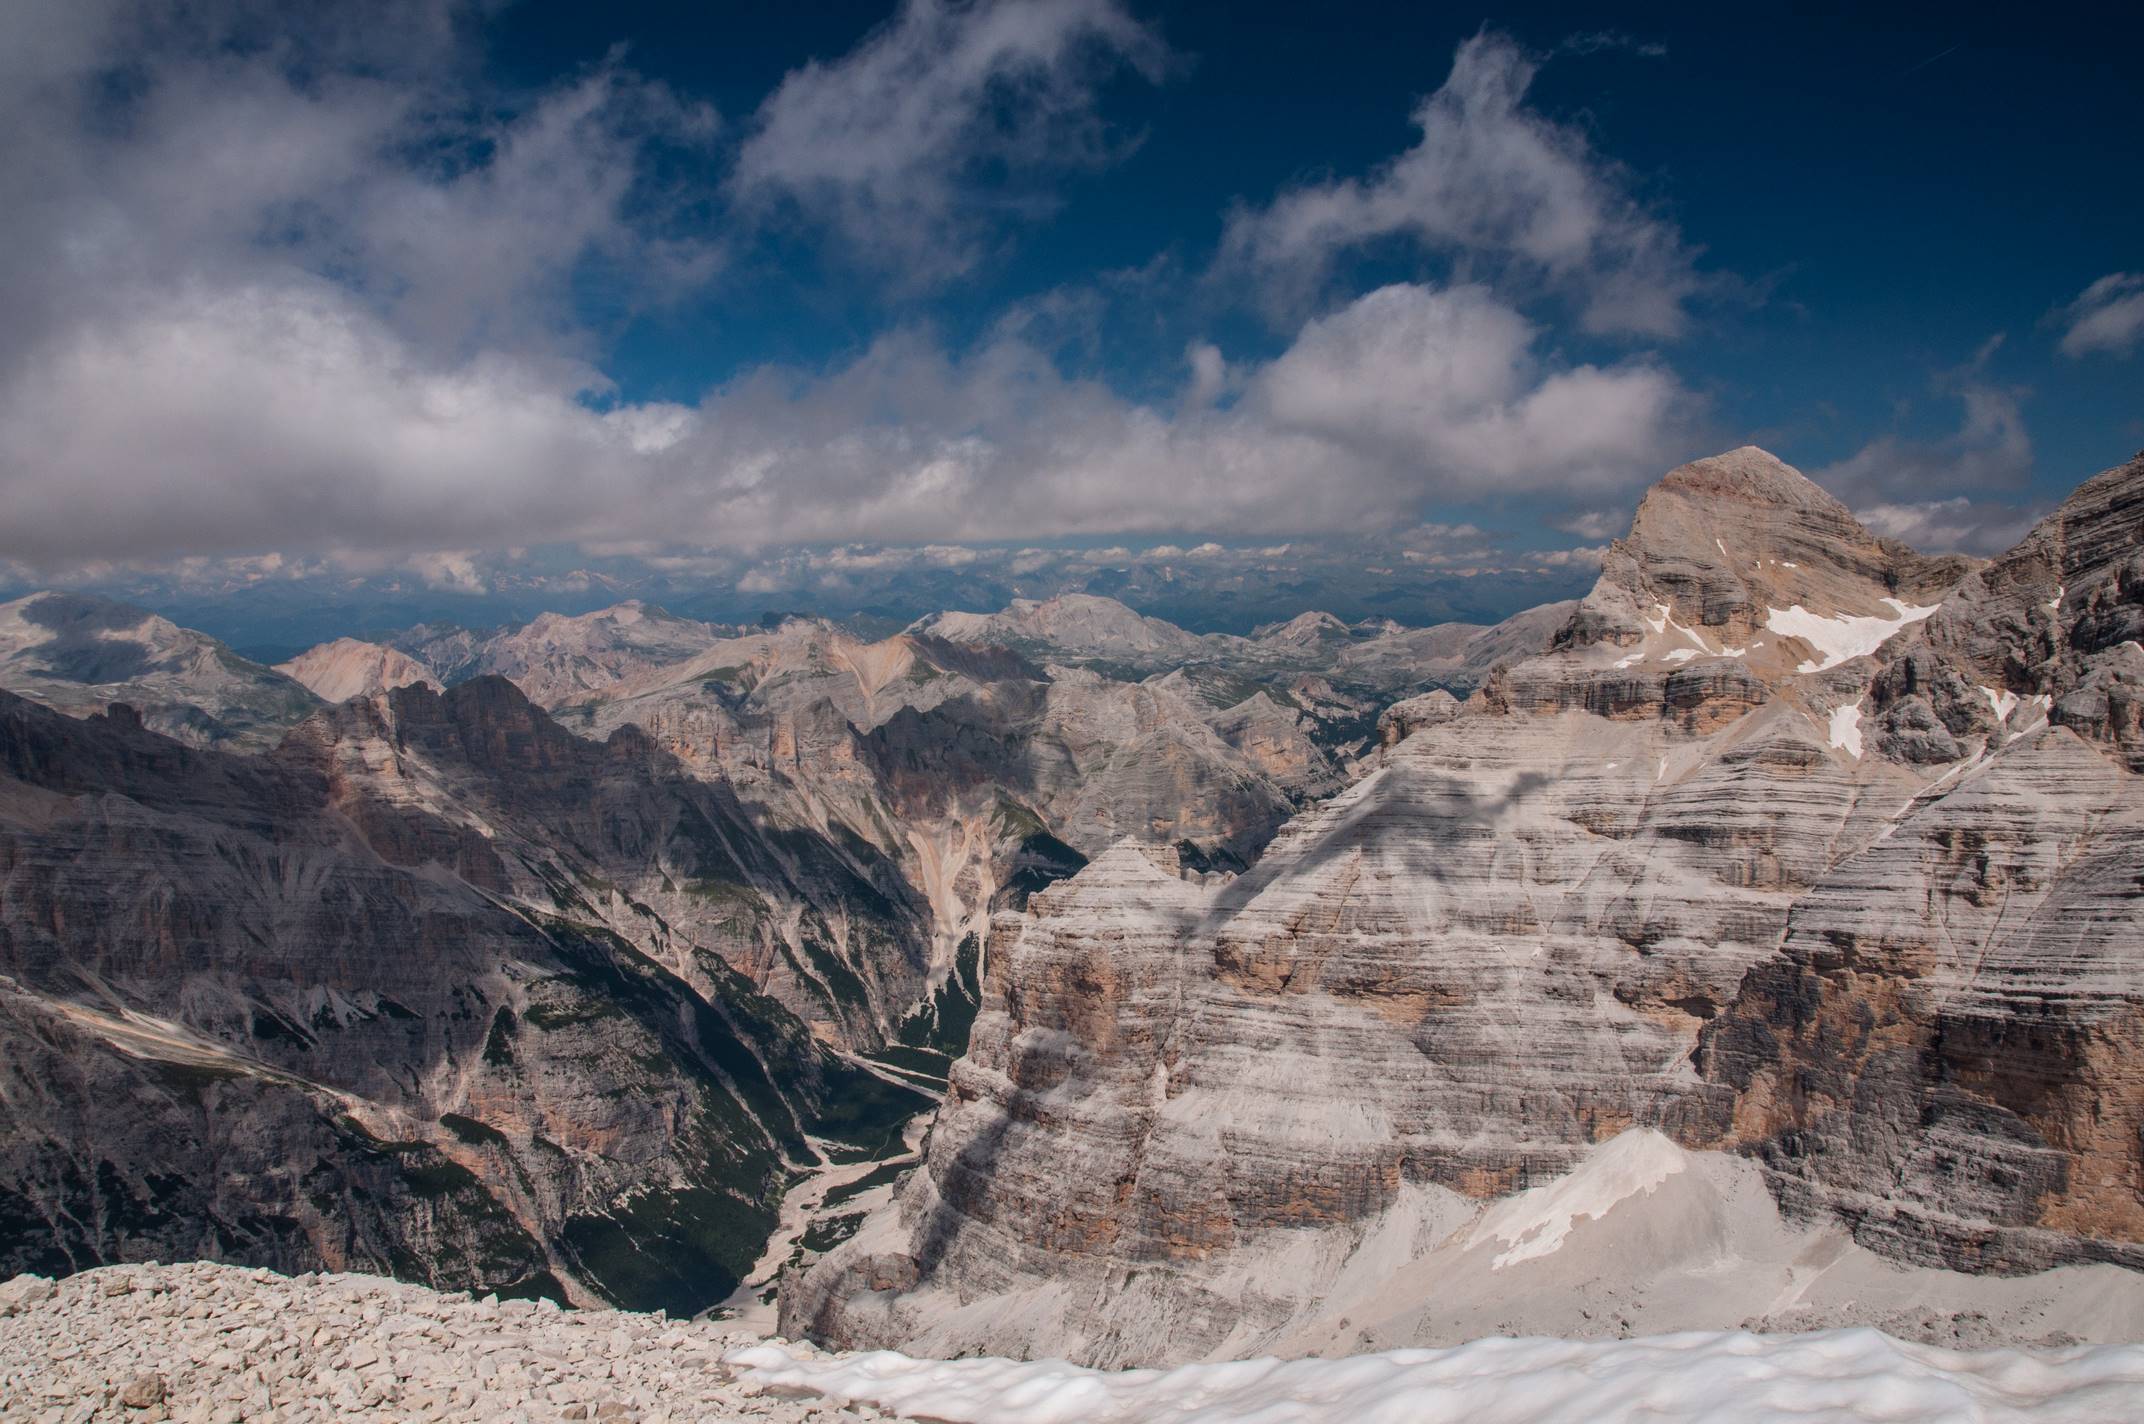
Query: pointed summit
{"x": 1743, "y": 557}
{"x": 1746, "y": 510}
{"x": 347, "y": 667}
{"x": 1750, "y": 474}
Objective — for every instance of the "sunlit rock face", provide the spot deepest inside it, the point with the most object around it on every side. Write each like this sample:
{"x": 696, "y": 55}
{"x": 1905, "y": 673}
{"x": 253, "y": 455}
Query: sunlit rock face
{"x": 347, "y": 667}
{"x": 1705, "y": 866}
{"x": 560, "y": 659}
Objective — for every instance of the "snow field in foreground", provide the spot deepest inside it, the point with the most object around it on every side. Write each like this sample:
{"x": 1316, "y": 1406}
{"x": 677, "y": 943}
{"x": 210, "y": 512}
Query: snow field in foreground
{"x": 1841, "y": 1375}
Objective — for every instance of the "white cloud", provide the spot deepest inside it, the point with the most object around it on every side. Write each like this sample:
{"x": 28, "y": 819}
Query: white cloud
{"x": 1210, "y": 375}
{"x": 1990, "y": 450}
{"x": 1448, "y": 381}
{"x": 1943, "y": 494}
{"x": 1957, "y": 524}
{"x": 355, "y": 151}
{"x": 1494, "y": 182}
{"x": 1586, "y": 556}
{"x": 288, "y": 417}
{"x": 1594, "y": 524}
{"x": 454, "y": 571}
{"x": 313, "y": 298}
{"x": 888, "y": 142}
{"x": 2107, "y": 316}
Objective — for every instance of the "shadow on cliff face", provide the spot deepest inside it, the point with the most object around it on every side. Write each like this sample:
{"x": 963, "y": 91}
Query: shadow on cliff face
{"x": 1453, "y": 806}
{"x": 965, "y": 1187}
{"x": 927, "y": 759}
{"x": 301, "y": 940}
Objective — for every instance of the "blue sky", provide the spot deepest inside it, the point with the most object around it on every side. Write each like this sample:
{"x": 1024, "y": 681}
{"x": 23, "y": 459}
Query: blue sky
{"x": 407, "y": 291}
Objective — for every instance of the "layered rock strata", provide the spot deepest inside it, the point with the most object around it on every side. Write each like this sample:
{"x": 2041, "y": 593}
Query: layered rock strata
{"x": 1690, "y": 870}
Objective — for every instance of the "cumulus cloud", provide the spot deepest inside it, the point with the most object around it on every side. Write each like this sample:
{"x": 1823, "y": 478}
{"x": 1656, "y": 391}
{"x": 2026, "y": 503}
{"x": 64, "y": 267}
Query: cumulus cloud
{"x": 2107, "y": 316}
{"x": 1495, "y": 183}
{"x": 1447, "y": 381}
{"x": 316, "y": 297}
{"x": 1585, "y": 556}
{"x": 1959, "y": 524}
{"x": 1409, "y": 395}
{"x": 905, "y": 144}
{"x": 1903, "y": 486}
{"x": 1592, "y": 523}
{"x": 352, "y": 152}
{"x": 454, "y": 570}
{"x": 286, "y": 417}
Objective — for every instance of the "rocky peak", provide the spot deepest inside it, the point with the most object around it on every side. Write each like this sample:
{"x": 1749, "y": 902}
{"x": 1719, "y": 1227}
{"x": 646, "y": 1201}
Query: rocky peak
{"x": 1740, "y": 557}
{"x": 2054, "y": 627}
{"x": 558, "y": 659}
{"x": 347, "y": 668}
{"x": 1074, "y": 624}
{"x": 1305, "y": 630}
{"x": 1403, "y": 719}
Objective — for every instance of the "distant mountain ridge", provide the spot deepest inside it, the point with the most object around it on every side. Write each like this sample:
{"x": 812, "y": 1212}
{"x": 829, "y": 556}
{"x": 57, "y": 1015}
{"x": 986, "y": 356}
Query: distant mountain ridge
{"x": 81, "y": 654}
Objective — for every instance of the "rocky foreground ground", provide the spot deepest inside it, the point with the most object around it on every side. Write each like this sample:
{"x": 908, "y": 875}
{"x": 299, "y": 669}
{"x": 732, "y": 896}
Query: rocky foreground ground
{"x": 206, "y": 1344}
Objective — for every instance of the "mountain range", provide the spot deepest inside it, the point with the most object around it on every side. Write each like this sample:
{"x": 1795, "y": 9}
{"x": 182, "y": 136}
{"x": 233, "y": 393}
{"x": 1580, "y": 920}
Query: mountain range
{"x": 1777, "y": 904}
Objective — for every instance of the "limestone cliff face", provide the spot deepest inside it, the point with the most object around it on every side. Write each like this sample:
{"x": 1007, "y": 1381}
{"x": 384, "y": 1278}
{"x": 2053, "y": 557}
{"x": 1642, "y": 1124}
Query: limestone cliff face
{"x": 1691, "y": 870}
{"x": 385, "y": 999}
{"x": 619, "y": 833}
{"x": 1944, "y": 1049}
{"x": 975, "y": 772}
{"x": 987, "y": 755}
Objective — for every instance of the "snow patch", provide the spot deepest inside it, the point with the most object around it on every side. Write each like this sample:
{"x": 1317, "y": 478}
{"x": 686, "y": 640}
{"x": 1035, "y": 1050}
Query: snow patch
{"x": 1680, "y": 655}
{"x": 1845, "y": 637}
{"x": 2004, "y": 702}
{"x": 1534, "y": 1222}
{"x": 1846, "y": 729}
{"x": 2054, "y": 605}
{"x": 1844, "y": 1375}
{"x": 1721, "y": 547}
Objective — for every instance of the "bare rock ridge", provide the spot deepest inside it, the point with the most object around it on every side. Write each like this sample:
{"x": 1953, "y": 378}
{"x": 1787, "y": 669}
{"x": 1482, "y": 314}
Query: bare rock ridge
{"x": 81, "y": 654}
{"x": 1943, "y": 1050}
{"x": 557, "y": 658}
{"x": 1792, "y": 843}
{"x": 983, "y": 771}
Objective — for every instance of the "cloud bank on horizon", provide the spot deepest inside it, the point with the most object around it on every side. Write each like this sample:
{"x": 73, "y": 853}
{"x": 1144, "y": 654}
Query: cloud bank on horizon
{"x": 326, "y": 288}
